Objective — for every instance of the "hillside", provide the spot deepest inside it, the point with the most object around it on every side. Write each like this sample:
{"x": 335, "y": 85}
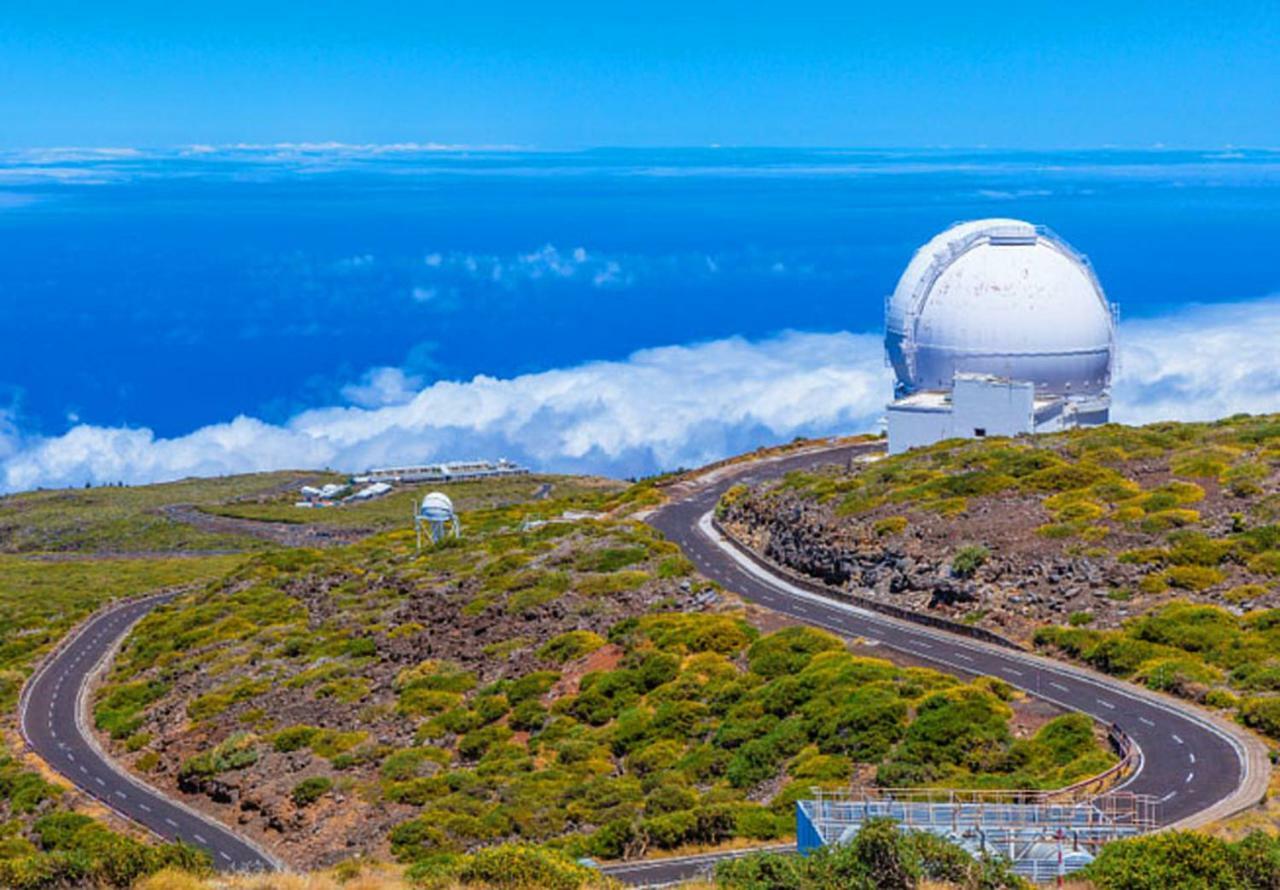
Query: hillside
{"x": 564, "y": 677}
{"x": 575, "y": 684}
{"x": 1152, "y": 553}
{"x": 66, "y": 553}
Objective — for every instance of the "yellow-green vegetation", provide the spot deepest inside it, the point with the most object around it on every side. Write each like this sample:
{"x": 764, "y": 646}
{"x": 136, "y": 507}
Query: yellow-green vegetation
{"x": 878, "y": 857}
{"x": 672, "y": 746}
{"x": 131, "y": 519}
{"x": 503, "y": 867}
{"x": 1080, "y": 472}
{"x": 1198, "y": 651}
{"x": 612, "y": 723}
{"x": 396, "y": 509}
{"x": 40, "y": 600}
{"x": 890, "y": 525}
{"x": 42, "y": 844}
{"x": 1195, "y": 507}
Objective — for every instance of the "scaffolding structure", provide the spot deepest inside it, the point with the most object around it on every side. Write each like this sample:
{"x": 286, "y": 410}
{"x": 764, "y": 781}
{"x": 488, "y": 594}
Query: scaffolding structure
{"x": 1045, "y": 834}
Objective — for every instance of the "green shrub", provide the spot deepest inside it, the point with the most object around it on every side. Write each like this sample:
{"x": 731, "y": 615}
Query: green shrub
{"x": 293, "y": 738}
{"x": 1193, "y": 577}
{"x": 967, "y": 560}
{"x": 524, "y": 867}
{"x": 119, "y": 712}
{"x": 1262, "y": 714}
{"x": 1186, "y": 859}
{"x": 237, "y": 751}
{"x": 610, "y": 559}
{"x": 308, "y": 791}
{"x": 789, "y": 650}
{"x": 890, "y": 525}
{"x": 570, "y": 646}
{"x": 1267, "y": 563}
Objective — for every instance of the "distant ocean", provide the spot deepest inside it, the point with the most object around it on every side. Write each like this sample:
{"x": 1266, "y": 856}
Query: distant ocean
{"x": 180, "y": 288}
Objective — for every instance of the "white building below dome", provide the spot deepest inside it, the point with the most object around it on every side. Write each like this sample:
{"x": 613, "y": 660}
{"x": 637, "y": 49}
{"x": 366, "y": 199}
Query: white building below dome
{"x": 997, "y": 327}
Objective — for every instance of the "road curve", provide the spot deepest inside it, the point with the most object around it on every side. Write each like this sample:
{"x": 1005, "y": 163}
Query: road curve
{"x": 1198, "y": 767}
{"x": 53, "y": 715}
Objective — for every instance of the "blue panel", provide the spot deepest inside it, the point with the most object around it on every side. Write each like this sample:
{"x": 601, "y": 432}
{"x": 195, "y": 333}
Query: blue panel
{"x": 807, "y": 837}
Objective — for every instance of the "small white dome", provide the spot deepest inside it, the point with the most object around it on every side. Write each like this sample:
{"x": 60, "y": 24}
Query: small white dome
{"x": 1001, "y": 297}
{"x": 437, "y": 505}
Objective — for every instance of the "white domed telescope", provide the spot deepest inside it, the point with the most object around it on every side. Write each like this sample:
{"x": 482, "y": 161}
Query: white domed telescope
{"x": 436, "y": 519}
{"x": 997, "y": 327}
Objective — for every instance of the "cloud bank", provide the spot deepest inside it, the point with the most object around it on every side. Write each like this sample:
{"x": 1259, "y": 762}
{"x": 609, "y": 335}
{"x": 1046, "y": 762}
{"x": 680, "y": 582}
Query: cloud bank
{"x": 658, "y": 409}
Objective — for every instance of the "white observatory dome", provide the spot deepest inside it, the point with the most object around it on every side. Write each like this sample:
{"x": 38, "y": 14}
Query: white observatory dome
{"x": 1001, "y": 297}
{"x": 437, "y": 505}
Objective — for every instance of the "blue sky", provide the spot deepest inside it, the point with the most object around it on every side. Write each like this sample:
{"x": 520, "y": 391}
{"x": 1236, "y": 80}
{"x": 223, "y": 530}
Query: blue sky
{"x": 295, "y": 253}
{"x": 656, "y": 73}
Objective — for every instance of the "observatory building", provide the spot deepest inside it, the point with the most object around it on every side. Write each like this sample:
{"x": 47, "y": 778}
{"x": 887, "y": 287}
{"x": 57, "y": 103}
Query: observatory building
{"x": 997, "y": 327}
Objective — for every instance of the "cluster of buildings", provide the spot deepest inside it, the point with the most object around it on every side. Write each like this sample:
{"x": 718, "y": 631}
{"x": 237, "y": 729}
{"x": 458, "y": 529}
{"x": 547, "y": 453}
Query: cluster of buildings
{"x": 453, "y": 471}
{"x": 377, "y": 482}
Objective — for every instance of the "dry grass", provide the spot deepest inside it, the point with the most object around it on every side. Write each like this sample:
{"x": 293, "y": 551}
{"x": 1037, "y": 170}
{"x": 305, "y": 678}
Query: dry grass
{"x": 371, "y": 877}
{"x": 1265, "y": 816}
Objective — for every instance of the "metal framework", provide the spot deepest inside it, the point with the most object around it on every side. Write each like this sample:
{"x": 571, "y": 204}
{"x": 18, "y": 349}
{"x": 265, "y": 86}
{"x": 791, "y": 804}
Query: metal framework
{"x": 1045, "y": 834}
{"x": 435, "y": 519}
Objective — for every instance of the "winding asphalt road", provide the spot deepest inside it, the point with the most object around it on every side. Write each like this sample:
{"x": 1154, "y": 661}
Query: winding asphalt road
{"x": 53, "y": 717}
{"x": 1197, "y": 767}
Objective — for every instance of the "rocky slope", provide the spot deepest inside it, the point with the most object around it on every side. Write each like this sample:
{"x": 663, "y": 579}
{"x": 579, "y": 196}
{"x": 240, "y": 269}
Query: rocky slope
{"x": 1089, "y": 527}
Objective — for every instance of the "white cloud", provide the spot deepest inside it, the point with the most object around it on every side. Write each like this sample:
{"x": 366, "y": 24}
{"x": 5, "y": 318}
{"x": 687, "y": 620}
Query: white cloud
{"x": 1201, "y": 363}
{"x": 675, "y": 405}
{"x": 545, "y": 264}
{"x": 382, "y": 386}
{"x": 658, "y": 409}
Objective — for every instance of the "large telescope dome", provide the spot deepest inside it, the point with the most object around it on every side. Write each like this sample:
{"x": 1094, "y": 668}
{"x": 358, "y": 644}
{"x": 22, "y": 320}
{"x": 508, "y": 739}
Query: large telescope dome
{"x": 1001, "y": 297}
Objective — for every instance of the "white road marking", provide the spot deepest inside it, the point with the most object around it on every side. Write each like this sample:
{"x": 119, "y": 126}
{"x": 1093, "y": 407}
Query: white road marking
{"x": 98, "y": 779}
{"x": 199, "y": 839}
{"x": 1105, "y": 704}
{"x": 1193, "y": 757}
{"x": 1146, "y": 721}
{"x": 145, "y": 808}
{"x": 224, "y": 856}
{"x": 1058, "y": 686}
{"x": 170, "y": 822}
{"x": 965, "y": 657}
{"x": 1009, "y": 670}
{"x": 1177, "y": 739}
{"x": 1190, "y": 776}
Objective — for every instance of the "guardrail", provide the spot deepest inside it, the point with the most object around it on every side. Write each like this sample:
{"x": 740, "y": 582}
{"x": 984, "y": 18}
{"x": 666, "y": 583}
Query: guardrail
{"x": 812, "y": 586}
{"x": 1130, "y": 757}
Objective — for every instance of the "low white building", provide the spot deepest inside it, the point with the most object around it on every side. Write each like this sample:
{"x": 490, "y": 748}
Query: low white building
{"x": 979, "y": 405}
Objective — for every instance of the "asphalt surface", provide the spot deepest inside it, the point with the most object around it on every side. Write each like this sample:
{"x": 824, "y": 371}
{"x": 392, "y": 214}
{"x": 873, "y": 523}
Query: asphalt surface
{"x": 1187, "y": 764}
{"x": 51, "y": 721}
